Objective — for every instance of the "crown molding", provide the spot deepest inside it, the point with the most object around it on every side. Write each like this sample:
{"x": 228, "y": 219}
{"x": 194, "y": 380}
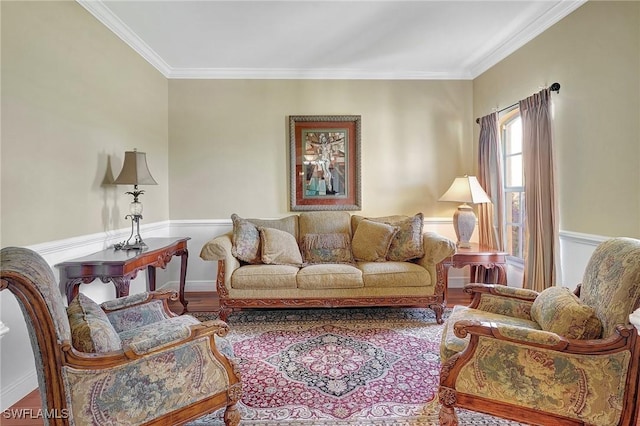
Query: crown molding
{"x": 103, "y": 14}
{"x": 525, "y": 35}
{"x": 310, "y": 74}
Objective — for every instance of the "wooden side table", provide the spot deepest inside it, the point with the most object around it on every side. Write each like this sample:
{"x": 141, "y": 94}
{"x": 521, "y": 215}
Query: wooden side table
{"x": 121, "y": 266}
{"x": 487, "y": 265}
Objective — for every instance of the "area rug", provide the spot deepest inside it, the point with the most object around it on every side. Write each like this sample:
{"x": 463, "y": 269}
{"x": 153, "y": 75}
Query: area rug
{"x": 339, "y": 367}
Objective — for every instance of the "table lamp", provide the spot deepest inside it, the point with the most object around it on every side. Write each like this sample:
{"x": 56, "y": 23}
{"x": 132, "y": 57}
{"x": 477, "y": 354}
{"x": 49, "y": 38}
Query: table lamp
{"x": 134, "y": 172}
{"x": 465, "y": 190}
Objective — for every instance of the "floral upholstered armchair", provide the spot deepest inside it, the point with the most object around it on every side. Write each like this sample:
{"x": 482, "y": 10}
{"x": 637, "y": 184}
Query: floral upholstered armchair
{"x": 549, "y": 358}
{"x": 128, "y": 361}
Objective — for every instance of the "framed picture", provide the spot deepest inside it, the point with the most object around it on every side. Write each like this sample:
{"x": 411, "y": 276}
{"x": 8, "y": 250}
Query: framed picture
{"x": 325, "y": 162}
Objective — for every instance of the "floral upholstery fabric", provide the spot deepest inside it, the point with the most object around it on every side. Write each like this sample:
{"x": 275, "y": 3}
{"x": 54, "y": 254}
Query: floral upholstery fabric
{"x": 91, "y": 330}
{"x": 124, "y": 302}
{"x": 588, "y": 388}
{"x": 372, "y": 240}
{"x": 507, "y": 306}
{"x": 558, "y": 310}
{"x": 144, "y": 389}
{"x": 279, "y": 247}
{"x": 327, "y": 248}
{"x": 452, "y": 344}
{"x": 154, "y": 336}
{"x": 408, "y": 243}
{"x": 610, "y": 282}
{"x": 25, "y": 262}
{"x": 137, "y": 316}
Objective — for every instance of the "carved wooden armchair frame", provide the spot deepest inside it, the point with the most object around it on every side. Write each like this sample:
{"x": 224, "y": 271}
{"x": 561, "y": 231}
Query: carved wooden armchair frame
{"x": 25, "y": 274}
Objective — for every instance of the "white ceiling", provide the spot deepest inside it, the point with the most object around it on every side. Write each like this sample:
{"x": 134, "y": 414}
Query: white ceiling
{"x": 360, "y": 39}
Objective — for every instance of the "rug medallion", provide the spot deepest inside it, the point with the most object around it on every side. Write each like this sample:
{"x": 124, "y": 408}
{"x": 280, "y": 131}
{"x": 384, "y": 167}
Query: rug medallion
{"x": 338, "y": 367}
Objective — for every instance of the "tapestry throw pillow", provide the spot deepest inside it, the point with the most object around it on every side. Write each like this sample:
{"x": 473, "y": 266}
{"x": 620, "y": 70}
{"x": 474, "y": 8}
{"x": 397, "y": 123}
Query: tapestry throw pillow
{"x": 407, "y": 244}
{"x": 558, "y": 310}
{"x": 91, "y": 330}
{"x": 245, "y": 240}
{"x": 279, "y": 247}
{"x": 327, "y": 248}
{"x": 371, "y": 240}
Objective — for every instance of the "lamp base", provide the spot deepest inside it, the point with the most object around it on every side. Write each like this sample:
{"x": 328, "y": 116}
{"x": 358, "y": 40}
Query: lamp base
{"x": 464, "y": 222}
{"x": 138, "y": 244}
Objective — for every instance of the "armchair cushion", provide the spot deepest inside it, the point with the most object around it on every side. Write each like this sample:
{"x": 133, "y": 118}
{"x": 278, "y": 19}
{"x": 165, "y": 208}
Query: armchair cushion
{"x": 91, "y": 330}
{"x": 371, "y": 240}
{"x": 558, "y": 310}
{"x": 150, "y": 337}
{"x": 279, "y": 247}
{"x": 327, "y": 248}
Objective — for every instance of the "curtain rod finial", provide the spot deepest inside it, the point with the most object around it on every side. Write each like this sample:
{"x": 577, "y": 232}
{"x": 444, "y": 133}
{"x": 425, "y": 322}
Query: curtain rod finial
{"x": 555, "y": 87}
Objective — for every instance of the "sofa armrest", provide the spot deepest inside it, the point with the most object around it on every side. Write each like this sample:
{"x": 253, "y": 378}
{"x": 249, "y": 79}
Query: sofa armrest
{"x": 219, "y": 249}
{"x": 436, "y": 248}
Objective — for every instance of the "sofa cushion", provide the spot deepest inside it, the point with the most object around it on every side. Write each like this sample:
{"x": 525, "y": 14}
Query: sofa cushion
{"x": 327, "y": 276}
{"x": 327, "y": 248}
{"x": 279, "y": 247}
{"x": 264, "y": 277}
{"x": 394, "y": 274}
{"x": 91, "y": 330}
{"x": 408, "y": 242}
{"x": 245, "y": 240}
{"x": 560, "y": 311}
{"x": 371, "y": 240}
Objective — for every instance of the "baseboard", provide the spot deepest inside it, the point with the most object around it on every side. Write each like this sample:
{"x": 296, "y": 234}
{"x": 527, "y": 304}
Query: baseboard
{"x": 14, "y": 392}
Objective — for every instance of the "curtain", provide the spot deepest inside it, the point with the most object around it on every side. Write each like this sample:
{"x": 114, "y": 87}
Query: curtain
{"x": 541, "y": 224}
{"x": 490, "y": 176}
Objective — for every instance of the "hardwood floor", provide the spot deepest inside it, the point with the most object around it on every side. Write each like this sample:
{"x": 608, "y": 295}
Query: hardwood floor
{"x": 198, "y": 302}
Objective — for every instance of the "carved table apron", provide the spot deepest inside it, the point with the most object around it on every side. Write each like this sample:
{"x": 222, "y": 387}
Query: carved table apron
{"x": 121, "y": 266}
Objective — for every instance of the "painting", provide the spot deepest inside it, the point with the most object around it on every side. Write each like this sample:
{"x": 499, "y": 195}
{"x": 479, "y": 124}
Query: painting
{"x": 325, "y": 162}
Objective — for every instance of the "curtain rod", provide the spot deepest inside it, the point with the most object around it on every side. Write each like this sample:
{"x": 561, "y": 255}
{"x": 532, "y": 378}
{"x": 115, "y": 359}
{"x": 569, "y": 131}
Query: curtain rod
{"x": 555, "y": 87}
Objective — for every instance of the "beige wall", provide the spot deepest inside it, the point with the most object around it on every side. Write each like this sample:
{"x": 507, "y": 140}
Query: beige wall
{"x": 229, "y": 142}
{"x": 74, "y": 98}
{"x": 594, "y": 53}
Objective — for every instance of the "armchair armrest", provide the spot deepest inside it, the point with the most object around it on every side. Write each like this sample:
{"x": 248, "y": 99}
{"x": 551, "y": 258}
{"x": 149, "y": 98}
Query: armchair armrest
{"x": 137, "y": 299}
{"x": 500, "y": 299}
{"x": 171, "y": 334}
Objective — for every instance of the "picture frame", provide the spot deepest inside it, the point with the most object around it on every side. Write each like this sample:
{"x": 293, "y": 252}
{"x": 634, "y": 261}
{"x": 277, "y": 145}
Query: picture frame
{"x": 324, "y": 162}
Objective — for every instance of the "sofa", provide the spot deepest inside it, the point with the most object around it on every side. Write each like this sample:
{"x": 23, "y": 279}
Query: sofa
{"x": 329, "y": 259}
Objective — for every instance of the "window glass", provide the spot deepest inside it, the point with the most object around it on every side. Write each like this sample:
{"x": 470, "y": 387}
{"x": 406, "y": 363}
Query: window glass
{"x": 514, "y": 186}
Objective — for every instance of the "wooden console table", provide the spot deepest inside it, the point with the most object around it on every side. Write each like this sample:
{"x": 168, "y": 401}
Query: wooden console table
{"x": 487, "y": 265}
{"x": 121, "y": 266}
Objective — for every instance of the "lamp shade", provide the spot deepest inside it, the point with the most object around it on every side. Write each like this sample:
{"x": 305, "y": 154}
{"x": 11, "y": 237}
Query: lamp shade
{"x": 135, "y": 170}
{"x": 466, "y": 189}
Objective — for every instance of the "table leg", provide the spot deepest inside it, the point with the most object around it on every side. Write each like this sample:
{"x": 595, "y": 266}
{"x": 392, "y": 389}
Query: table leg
{"x": 151, "y": 277}
{"x": 183, "y": 278}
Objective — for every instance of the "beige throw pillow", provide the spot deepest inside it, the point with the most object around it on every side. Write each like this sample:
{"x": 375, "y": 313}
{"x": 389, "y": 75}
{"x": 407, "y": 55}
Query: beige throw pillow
{"x": 372, "y": 240}
{"x": 279, "y": 247}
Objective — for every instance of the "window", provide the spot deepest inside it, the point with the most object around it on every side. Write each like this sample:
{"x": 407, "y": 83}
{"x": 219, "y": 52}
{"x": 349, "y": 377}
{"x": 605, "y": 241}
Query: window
{"x": 514, "y": 194}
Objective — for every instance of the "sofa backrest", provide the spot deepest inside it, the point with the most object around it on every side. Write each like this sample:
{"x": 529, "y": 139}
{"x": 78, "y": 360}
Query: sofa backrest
{"x": 329, "y": 222}
{"x": 611, "y": 282}
{"x": 288, "y": 224}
